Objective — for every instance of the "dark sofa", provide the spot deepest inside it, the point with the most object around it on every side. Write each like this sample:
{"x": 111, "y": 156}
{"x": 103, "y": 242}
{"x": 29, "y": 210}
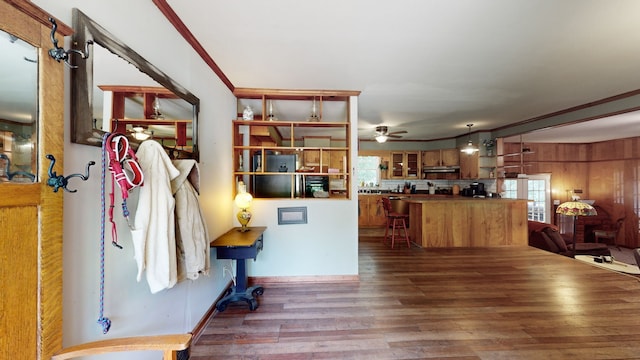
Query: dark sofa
{"x": 547, "y": 237}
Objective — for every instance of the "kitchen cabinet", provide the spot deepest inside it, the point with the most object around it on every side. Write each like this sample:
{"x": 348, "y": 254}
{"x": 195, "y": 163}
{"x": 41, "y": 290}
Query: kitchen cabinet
{"x": 476, "y": 166}
{"x": 370, "y": 211}
{"x": 312, "y": 127}
{"x": 439, "y": 158}
{"x": 442, "y": 157}
{"x": 469, "y": 166}
{"x": 313, "y": 157}
{"x": 454, "y": 223}
{"x": 405, "y": 165}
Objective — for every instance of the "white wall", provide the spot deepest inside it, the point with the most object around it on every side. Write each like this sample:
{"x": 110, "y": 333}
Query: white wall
{"x": 327, "y": 245}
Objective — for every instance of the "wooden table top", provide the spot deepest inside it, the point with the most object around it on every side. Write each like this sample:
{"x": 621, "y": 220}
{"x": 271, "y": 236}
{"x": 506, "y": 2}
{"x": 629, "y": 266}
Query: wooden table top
{"x": 235, "y": 238}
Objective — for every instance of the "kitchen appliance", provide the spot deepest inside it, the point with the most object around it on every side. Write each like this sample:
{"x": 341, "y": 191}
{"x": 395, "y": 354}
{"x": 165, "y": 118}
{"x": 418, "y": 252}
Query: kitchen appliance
{"x": 313, "y": 183}
{"x": 474, "y": 189}
{"x": 477, "y": 188}
{"x": 276, "y": 185}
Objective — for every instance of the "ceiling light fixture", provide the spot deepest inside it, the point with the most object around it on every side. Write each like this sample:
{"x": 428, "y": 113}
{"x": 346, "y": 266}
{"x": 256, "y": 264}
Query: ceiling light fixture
{"x": 470, "y": 148}
{"x": 140, "y": 133}
{"x": 381, "y": 138}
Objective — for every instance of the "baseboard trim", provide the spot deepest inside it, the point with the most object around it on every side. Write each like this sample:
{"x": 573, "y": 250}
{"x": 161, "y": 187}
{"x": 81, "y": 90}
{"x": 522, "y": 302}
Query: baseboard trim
{"x": 262, "y": 280}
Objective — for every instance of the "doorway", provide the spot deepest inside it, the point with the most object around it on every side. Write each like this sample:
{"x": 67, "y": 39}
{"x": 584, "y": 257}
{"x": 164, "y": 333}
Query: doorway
{"x": 535, "y": 188}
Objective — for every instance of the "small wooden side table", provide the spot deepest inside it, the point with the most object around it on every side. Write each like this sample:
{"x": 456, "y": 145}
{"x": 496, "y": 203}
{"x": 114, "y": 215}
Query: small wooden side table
{"x": 240, "y": 246}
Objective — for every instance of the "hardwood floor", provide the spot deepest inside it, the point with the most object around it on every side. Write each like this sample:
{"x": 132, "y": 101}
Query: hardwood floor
{"x": 498, "y": 303}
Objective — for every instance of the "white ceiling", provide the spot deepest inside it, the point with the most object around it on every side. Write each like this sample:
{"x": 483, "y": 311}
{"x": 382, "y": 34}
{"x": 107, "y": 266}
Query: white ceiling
{"x": 428, "y": 66}
{"x": 432, "y": 66}
{"x": 612, "y": 127}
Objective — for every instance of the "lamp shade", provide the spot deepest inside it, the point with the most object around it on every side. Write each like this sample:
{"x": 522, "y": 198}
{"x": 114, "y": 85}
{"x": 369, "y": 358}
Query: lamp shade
{"x": 469, "y": 149}
{"x": 243, "y": 200}
{"x": 381, "y": 138}
{"x": 576, "y": 208}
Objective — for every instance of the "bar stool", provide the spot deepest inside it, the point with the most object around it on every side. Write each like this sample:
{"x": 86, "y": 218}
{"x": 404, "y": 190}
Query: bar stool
{"x": 395, "y": 221}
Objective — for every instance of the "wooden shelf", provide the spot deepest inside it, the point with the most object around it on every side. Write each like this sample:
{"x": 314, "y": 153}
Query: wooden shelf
{"x": 322, "y": 146}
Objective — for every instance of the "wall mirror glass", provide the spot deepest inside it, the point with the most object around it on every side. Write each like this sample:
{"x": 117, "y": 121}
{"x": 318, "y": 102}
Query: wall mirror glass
{"x": 117, "y": 83}
{"x": 18, "y": 109}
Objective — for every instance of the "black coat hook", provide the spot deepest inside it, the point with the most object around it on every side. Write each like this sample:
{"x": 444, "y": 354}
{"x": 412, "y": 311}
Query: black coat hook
{"x": 10, "y": 174}
{"x": 59, "y": 53}
{"x": 60, "y": 181}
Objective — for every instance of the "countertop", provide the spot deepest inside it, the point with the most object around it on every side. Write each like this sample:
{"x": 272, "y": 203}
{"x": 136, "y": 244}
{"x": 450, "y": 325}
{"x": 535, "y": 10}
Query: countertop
{"x": 429, "y": 196}
{"x": 402, "y": 194}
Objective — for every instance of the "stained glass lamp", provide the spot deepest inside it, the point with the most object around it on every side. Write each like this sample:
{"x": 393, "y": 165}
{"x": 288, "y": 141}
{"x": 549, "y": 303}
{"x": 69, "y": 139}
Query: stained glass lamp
{"x": 575, "y": 208}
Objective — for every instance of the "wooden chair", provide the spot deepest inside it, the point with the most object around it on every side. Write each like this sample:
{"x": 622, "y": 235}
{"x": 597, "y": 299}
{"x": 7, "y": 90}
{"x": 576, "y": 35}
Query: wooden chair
{"x": 395, "y": 221}
{"x": 609, "y": 235}
{"x": 168, "y": 344}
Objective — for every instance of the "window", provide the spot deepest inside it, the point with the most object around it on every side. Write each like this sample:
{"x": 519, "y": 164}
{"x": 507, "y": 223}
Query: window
{"x": 536, "y": 189}
{"x": 368, "y": 170}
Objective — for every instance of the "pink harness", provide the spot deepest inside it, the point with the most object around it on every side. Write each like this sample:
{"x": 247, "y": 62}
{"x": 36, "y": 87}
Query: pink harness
{"x": 126, "y": 172}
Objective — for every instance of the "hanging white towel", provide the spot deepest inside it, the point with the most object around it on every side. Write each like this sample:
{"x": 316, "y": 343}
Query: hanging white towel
{"x": 154, "y": 235}
{"x": 192, "y": 238}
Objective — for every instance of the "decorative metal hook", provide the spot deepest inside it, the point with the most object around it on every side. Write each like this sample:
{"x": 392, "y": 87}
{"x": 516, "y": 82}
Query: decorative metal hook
{"x": 58, "y": 53}
{"x": 60, "y": 181}
{"x": 10, "y": 174}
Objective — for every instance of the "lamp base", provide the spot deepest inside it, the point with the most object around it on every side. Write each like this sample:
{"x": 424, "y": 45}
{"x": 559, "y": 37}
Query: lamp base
{"x": 243, "y": 218}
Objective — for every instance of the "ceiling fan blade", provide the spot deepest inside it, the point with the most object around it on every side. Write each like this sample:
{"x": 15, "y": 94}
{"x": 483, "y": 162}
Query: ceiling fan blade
{"x": 392, "y": 135}
{"x": 397, "y": 132}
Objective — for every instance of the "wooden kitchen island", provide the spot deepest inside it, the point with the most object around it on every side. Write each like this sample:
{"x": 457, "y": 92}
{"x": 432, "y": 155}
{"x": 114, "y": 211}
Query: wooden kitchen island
{"x": 467, "y": 222}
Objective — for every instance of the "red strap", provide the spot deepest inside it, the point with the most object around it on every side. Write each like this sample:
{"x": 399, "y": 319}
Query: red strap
{"x": 120, "y": 156}
{"x": 122, "y": 162}
{"x": 114, "y": 232}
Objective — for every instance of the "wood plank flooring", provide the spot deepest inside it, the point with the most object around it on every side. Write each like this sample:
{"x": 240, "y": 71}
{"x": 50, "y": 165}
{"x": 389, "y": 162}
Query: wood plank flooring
{"x": 498, "y": 303}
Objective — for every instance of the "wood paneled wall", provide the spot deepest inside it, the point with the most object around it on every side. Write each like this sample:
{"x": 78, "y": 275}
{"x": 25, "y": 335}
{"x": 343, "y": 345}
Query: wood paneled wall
{"x": 608, "y": 172}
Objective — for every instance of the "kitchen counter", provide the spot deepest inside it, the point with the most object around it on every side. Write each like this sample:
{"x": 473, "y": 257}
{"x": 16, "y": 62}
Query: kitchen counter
{"x": 456, "y": 221}
{"x": 394, "y": 194}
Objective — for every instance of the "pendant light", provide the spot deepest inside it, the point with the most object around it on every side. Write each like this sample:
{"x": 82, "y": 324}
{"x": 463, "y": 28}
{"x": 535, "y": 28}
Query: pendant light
{"x": 470, "y": 148}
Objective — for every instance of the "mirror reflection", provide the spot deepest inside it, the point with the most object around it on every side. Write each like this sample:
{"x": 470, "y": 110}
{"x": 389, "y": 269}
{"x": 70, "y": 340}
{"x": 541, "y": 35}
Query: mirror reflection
{"x": 128, "y": 101}
{"x": 116, "y": 90}
{"x": 18, "y": 109}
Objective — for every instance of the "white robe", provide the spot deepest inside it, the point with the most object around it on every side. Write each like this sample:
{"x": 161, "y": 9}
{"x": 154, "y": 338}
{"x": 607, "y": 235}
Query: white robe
{"x": 192, "y": 238}
{"x": 154, "y": 239}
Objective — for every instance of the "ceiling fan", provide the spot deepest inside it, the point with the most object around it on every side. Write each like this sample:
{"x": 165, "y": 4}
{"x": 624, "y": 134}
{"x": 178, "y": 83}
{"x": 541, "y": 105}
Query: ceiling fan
{"x": 383, "y": 134}
{"x": 141, "y": 133}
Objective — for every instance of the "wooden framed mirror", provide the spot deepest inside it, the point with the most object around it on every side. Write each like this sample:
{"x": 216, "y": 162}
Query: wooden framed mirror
{"x": 115, "y": 82}
{"x": 18, "y": 109}
{"x": 31, "y": 213}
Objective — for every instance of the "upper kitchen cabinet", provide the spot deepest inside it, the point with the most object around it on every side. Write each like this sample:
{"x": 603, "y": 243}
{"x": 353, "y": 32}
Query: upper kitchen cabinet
{"x": 441, "y": 164}
{"x": 293, "y": 143}
{"x": 479, "y": 165}
{"x": 405, "y": 165}
{"x": 442, "y": 157}
{"x": 469, "y": 166}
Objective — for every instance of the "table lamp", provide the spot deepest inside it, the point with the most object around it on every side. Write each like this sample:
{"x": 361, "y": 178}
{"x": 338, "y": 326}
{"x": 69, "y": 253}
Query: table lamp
{"x": 575, "y": 208}
{"x": 243, "y": 201}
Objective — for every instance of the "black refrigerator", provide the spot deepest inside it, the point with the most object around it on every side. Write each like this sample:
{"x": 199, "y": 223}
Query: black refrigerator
{"x": 276, "y": 185}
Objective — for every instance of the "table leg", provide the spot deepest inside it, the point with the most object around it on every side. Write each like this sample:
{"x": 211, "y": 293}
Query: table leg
{"x": 240, "y": 292}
